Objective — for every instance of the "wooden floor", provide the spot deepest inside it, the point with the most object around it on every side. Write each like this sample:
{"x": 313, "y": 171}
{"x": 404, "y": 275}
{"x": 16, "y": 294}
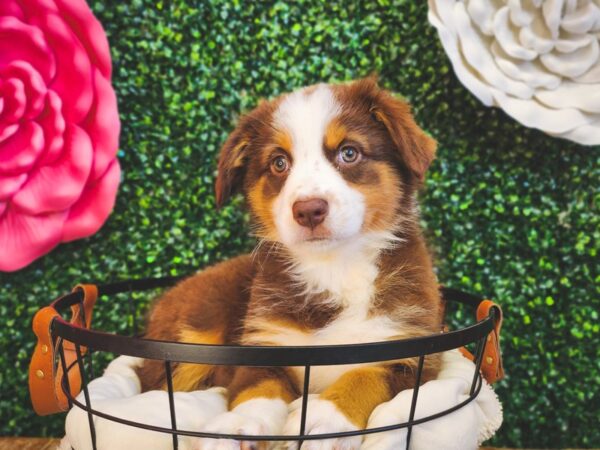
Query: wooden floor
{"x": 12, "y": 443}
{"x": 15, "y": 443}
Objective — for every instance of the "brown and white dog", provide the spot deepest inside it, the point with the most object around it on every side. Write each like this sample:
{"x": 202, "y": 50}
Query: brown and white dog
{"x": 330, "y": 175}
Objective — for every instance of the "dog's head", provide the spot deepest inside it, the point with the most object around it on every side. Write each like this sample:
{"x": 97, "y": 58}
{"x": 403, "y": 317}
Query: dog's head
{"x": 326, "y": 164}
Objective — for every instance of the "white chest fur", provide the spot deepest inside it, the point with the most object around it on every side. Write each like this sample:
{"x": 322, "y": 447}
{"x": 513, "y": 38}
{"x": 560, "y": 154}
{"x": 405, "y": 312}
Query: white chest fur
{"x": 348, "y": 275}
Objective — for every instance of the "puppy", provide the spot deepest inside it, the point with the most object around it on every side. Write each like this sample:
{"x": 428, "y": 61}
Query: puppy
{"x": 330, "y": 175}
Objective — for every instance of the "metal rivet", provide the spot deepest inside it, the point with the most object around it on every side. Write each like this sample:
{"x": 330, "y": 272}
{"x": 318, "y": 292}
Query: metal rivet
{"x": 489, "y": 360}
{"x": 39, "y": 373}
{"x": 44, "y": 349}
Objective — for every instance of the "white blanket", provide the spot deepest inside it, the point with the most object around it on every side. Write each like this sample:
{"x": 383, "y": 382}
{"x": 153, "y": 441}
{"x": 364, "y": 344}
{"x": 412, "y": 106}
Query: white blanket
{"x": 117, "y": 393}
{"x": 464, "y": 429}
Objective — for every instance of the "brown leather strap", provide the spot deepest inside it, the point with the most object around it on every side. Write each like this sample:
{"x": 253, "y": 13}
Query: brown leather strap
{"x": 41, "y": 369}
{"x": 491, "y": 364}
{"x": 45, "y": 374}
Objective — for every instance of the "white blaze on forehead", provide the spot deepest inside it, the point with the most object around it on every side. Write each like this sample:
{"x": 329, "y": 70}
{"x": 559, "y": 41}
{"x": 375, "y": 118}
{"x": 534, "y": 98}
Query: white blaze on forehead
{"x": 305, "y": 115}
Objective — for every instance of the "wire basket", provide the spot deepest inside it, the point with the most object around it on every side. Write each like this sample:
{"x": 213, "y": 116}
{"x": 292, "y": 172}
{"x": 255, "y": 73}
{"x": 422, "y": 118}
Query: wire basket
{"x": 62, "y": 363}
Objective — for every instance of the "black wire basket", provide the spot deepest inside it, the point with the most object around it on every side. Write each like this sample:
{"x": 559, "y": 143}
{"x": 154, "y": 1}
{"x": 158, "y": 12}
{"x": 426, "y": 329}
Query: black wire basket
{"x": 82, "y": 342}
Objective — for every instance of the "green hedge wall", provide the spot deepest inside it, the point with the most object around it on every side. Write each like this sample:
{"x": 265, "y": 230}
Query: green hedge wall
{"x": 510, "y": 210}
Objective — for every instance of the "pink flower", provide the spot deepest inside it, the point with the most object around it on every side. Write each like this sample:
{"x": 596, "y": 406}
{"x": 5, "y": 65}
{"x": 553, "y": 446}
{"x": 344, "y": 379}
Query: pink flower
{"x": 59, "y": 127}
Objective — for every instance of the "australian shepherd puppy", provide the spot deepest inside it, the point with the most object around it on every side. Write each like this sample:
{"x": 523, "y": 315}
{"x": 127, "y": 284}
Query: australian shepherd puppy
{"x": 330, "y": 175}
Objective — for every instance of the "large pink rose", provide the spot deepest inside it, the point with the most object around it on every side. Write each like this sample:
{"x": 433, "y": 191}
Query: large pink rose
{"x": 59, "y": 127}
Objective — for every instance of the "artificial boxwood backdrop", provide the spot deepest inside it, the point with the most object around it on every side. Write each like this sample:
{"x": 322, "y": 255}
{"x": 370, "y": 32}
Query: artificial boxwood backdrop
{"x": 510, "y": 211}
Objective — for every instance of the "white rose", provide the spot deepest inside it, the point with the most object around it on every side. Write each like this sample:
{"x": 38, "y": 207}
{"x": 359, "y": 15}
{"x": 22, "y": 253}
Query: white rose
{"x": 537, "y": 60}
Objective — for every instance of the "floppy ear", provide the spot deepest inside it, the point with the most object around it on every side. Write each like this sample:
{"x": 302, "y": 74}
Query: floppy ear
{"x": 231, "y": 166}
{"x": 417, "y": 150}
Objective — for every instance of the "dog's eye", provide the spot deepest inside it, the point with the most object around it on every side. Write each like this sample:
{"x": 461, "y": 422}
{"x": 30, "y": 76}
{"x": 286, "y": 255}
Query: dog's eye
{"x": 349, "y": 154}
{"x": 279, "y": 165}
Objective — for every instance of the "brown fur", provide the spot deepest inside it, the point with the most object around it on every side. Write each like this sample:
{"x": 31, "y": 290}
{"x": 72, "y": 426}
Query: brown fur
{"x": 211, "y": 304}
{"x": 246, "y": 299}
{"x": 358, "y": 392}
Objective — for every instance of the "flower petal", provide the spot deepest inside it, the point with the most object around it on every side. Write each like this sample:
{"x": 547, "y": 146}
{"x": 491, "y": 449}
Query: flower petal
{"x": 591, "y": 76}
{"x": 42, "y": 193}
{"x": 572, "y": 64}
{"x": 10, "y": 184}
{"x": 570, "y": 6}
{"x": 536, "y": 37}
{"x": 482, "y": 12}
{"x": 15, "y": 100}
{"x": 507, "y": 37}
{"x": 19, "y": 152}
{"x": 571, "y": 42}
{"x": 38, "y": 7}
{"x": 581, "y": 20}
{"x": 73, "y": 80}
{"x": 103, "y": 125}
{"x": 588, "y": 134}
{"x": 535, "y": 115}
{"x": 89, "y": 31}
{"x": 25, "y": 238}
{"x": 11, "y": 8}
{"x": 521, "y": 13}
{"x": 585, "y": 97}
{"x": 96, "y": 202}
{"x": 7, "y": 131}
{"x": 35, "y": 88}
{"x": 552, "y": 10}
{"x": 53, "y": 124}
{"x": 20, "y": 41}
{"x": 530, "y": 72}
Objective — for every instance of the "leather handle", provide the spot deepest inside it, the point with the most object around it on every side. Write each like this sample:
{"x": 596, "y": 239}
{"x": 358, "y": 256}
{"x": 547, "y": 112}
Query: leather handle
{"x": 45, "y": 375}
{"x": 491, "y": 364}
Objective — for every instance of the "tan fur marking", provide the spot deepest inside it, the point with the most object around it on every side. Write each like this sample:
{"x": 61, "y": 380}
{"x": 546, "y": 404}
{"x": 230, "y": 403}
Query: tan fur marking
{"x": 270, "y": 331}
{"x": 263, "y": 210}
{"x": 270, "y": 388}
{"x": 310, "y": 89}
{"x": 335, "y": 134}
{"x": 379, "y": 216}
{"x": 283, "y": 140}
{"x": 190, "y": 336}
{"x": 188, "y": 376}
{"x": 360, "y": 138}
{"x": 358, "y": 392}
{"x": 239, "y": 155}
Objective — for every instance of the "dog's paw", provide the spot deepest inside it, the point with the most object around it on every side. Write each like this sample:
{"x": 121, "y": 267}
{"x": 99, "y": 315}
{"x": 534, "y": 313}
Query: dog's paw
{"x": 322, "y": 417}
{"x": 389, "y": 413}
{"x": 255, "y": 417}
{"x": 231, "y": 423}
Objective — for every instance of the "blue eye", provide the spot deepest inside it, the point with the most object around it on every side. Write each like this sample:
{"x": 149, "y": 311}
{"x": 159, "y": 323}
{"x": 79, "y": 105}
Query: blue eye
{"x": 279, "y": 165}
{"x": 349, "y": 154}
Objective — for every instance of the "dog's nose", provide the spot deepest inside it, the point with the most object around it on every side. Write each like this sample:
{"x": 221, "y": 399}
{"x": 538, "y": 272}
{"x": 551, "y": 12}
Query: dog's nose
{"x": 311, "y": 212}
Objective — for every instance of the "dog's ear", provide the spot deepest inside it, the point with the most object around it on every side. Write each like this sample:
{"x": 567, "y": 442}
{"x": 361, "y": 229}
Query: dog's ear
{"x": 235, "y": 153}
{"x": 417, "y": 150}
{"x": 232, "y": 158}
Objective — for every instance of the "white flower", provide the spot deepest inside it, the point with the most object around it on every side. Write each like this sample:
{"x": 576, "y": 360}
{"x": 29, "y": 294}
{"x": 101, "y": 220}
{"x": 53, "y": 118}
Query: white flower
{"x": 538, "y": 60}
